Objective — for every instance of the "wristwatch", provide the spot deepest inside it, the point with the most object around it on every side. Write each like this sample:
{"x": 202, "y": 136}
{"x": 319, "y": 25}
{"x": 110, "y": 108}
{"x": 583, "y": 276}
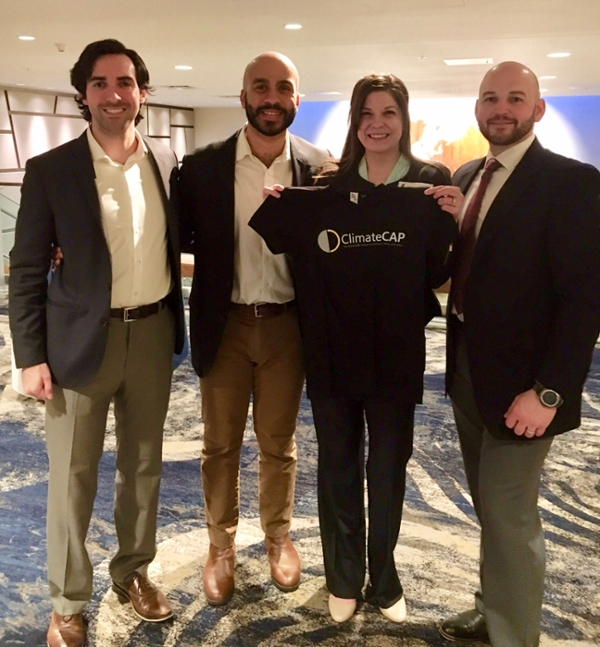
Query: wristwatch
{"x": 548, "y": 397}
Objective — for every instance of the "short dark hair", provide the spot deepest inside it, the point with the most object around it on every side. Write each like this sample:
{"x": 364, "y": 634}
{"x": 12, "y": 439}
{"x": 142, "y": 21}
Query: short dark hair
{"x": 353, "y": 149}
{"x": 82, "y": 70}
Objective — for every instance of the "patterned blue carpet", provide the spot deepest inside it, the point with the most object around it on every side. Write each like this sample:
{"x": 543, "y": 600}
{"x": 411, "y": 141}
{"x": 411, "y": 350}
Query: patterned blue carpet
{"x": 436, "y": 556}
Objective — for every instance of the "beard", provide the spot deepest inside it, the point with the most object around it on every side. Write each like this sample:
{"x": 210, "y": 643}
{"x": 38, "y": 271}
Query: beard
{"x": 519, "y": 132}
{"x": 270, "y": 128}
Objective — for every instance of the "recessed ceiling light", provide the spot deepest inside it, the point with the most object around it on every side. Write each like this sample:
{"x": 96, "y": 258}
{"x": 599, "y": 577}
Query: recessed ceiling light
{"x": 327, "y": 94}
{"x": 469, "y": 61}
{"x": 301, "y": 95}
{"x": 26, "y": 37}
{"x": 559, "y": 55}
{"x": 20, "y": 84}
{"x": 547, "y": 77}
{"x": 184, "y": 67}
{"x": 543, "y": 89}
{"x": 293, "y": 25}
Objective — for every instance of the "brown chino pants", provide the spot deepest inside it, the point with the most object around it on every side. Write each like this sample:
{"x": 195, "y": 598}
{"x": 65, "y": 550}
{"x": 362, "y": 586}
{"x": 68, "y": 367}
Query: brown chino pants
{"x": 259, "y": 358}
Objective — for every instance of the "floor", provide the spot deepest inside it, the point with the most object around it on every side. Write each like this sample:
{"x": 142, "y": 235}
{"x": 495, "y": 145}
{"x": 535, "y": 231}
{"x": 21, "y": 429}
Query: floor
{"x": 436, "y": 556}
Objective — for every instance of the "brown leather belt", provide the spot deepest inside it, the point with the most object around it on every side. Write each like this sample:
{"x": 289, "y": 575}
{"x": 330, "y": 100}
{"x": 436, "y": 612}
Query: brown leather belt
{"x": 263, "y": 310}
{"x": 136, "y": 312}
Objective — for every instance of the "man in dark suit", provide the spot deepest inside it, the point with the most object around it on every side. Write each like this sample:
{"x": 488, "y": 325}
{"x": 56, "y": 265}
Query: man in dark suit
{"x": 244, "y": 330}
{"x": 524, "y": 317}
{"x": 104, "y": 328}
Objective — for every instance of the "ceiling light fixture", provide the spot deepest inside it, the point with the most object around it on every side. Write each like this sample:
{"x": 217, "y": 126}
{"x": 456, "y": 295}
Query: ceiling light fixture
{"x": 547, "y": 77}
{"x": 26, "y": 37}
{"x": 327, "y": 94}
{"x": 184, "y": 67}
{"x": 559, "y": 55}
{"x": 293, "y": 26}
{"x": 469, "y": 61}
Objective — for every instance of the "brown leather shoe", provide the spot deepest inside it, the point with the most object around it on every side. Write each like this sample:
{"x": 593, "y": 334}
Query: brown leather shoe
{"x": 284, "y": 562}
{"x": 66, "y": 631}
{"x": 217, "y": 577}
{"x": 148, "y": 602}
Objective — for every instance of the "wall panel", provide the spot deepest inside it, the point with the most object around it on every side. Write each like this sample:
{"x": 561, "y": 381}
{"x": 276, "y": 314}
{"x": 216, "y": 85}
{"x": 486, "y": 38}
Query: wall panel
{"x": 31, "y": 102}
{"x": 67, "y": 106}
{"x": 159, "y": 122}
{"x": 36, "y": 134}
{"x": 8, "y": 155}
{"x": 4, "y": 118}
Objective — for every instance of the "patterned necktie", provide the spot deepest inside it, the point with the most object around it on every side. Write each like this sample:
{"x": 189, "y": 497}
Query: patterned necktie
{"x": 468, "y": 239}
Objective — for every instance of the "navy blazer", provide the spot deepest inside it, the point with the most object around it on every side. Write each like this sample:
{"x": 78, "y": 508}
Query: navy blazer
{"x": 206, "y": 192}
{"x": 65, "y": 323}
{"x": 532, "y": 298}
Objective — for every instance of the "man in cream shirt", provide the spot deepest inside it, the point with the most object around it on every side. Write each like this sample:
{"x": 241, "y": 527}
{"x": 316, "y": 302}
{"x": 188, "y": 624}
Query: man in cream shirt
{"x": 244, "y": 331}
{"x": 104, "y": 329}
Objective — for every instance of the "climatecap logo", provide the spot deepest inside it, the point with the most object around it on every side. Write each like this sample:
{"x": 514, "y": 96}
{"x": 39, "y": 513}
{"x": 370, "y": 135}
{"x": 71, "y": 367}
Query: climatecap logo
{"x": 330, "y": 240}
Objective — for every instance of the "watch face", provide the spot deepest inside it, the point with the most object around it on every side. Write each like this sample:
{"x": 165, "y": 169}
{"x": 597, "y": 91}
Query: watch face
{"x": 550, "y": 398}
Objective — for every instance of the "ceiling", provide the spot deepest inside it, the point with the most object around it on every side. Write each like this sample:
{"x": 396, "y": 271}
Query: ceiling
{"x": 341, "y": 40}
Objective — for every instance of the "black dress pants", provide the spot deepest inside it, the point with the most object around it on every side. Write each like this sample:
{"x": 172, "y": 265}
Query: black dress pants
{"x": 340, "y": 426}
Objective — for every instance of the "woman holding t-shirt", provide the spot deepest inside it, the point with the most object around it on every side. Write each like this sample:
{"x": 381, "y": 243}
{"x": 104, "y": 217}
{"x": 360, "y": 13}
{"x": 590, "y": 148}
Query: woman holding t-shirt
{"x": 363, "y": 299}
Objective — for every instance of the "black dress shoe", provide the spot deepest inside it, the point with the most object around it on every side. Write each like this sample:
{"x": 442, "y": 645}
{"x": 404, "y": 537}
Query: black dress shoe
{"x": 466, "y": 627}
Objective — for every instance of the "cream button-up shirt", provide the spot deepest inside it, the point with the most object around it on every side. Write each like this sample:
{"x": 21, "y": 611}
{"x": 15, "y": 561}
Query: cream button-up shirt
{"x": 509, "y": 160}
{"x": 259, "y": 276}
{"x": 134, "y": 224}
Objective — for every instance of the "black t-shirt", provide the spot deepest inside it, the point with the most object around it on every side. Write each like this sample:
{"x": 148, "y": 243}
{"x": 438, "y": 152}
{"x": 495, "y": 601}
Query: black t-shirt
{"x": 361, "y": 263}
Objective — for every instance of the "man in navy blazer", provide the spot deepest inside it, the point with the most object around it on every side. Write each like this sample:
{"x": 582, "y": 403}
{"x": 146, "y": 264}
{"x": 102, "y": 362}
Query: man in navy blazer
{"x": 104, "y": 328}
{"x": 244, "y": 332}
{"x": 524, "y": 316}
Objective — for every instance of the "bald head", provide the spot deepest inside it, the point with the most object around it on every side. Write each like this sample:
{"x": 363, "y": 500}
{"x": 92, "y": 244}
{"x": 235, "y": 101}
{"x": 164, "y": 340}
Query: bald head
{"x": 270, "y": 60}
{"x": 509, "y": 104}
{"x": 514, "y": 74}
{"x": 270, "y": 94}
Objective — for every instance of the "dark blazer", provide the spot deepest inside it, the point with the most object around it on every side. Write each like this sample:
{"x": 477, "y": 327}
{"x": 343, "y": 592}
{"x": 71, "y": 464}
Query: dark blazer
{"x": 532, "y": 298}
{"x": 206, "y": 191}
{"x": 65, "y": 323}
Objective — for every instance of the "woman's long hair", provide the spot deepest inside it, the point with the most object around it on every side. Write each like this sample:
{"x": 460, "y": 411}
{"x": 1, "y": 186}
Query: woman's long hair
{"x": 353, "y": 150}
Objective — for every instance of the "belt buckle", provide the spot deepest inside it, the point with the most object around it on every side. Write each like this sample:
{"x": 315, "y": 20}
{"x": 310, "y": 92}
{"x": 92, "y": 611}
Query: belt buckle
{"x": 126, "y": 317}
{"x": 256, "y": 307}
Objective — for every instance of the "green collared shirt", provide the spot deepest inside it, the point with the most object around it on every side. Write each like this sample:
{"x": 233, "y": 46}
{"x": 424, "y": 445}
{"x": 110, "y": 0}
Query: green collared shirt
{"x": 398, "y": 172}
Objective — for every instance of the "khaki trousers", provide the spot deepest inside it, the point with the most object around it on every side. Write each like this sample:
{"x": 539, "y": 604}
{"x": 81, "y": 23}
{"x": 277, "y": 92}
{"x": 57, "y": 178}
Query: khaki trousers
{"x": 259, "y": 358}
{"x": 136, "y": 374}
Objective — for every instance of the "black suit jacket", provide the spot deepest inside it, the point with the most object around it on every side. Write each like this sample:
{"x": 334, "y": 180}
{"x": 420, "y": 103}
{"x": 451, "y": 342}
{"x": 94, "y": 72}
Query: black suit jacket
{"x": 65, "y": 323}
{"x": 206, "y": 191}
{"x": 532, "y": 298}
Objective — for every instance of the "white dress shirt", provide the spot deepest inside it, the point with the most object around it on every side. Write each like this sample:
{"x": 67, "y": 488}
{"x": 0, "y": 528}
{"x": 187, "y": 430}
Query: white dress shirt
{"x": 134, "y": 224}
{"x": 509, "y": 160}
{"x": 259, "y": 277}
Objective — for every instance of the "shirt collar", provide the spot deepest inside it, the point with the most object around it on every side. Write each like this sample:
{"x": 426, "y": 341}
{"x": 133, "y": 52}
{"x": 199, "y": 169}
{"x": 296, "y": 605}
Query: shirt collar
{"x": 397, "y": 173}
{"x": 98, "y": 153}
{"x": 513, "y": 155}
{"x": 243, "y": 148}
